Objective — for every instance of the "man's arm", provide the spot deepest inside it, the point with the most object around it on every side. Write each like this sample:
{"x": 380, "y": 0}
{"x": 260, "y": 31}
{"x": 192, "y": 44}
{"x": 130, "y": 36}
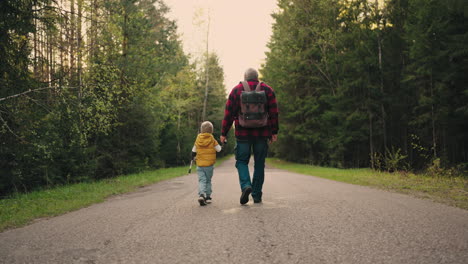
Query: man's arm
{"x": 229, "y": 112}
{"x": 273, "y": 114}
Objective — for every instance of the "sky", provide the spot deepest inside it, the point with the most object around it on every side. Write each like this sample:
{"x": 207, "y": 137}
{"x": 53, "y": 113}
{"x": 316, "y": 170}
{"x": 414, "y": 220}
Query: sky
{"x": 239, "y": 31}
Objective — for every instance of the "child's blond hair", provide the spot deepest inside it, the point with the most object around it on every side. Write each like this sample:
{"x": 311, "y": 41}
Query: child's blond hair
{"x": 206, "y": 127}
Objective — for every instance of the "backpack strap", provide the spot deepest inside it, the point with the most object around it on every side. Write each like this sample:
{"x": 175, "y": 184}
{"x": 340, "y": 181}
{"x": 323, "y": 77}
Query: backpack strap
{"x": 259, "y": 85}
{"x": 246, "y": 86}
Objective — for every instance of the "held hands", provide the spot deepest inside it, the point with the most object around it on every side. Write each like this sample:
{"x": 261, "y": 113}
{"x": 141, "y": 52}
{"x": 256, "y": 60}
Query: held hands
{"x": 222, "y": 139}
{"x": 273, "y": 138}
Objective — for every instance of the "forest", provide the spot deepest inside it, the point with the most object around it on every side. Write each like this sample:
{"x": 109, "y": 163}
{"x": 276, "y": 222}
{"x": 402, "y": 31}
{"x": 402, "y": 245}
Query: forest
{"x": 92, "y": 89}
{"x": 368, "y": 83}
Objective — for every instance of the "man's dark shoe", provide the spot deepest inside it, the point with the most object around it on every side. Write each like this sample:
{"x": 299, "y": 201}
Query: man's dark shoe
{"x": 257, "y": 200}
{"x": 208, "y": 199}
{"x": 245, "y": 195}
{"x": 202, "y": 200}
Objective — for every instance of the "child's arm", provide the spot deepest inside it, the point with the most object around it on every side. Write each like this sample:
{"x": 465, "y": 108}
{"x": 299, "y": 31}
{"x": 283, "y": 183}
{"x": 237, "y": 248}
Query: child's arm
{"x": 194, "y": 152}
{"x": 218, "y": 148}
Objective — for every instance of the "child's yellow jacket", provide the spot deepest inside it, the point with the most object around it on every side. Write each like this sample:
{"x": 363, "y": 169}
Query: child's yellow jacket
{"x": 206, "y": 153}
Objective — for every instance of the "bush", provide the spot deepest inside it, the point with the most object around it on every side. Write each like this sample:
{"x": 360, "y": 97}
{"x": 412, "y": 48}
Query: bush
{"x": 436, "y": 170}
{"x": 394, "y": 160}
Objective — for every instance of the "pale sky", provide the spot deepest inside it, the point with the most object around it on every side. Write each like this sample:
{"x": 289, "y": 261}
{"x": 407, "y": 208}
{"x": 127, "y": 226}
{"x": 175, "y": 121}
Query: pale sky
{"x": 239, "y": 31}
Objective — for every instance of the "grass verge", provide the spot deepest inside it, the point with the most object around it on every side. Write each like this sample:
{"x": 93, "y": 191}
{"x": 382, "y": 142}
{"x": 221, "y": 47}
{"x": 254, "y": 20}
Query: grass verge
{"x": 448, "y": 190}
{"x": 222, "y": 159}
{"x": 20, "y": 209}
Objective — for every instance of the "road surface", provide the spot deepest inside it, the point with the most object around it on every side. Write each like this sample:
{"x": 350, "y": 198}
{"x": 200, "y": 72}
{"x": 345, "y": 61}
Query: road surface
{"x": 303, "y": 219}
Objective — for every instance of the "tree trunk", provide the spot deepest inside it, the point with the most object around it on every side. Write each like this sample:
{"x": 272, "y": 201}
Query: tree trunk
{"x": 179, "y": 114}
{"x": 206, "y": 71}
{"x": 72, "y": 41}
{"x": 371, "y": 144}
{"x": 93, "y": 30}
{"x": 51, "y": 58}
{"x": 35, "y": 49}
{"x": 61, "y": 47}
{"x": 41, "y": 53}
{"x": 434, "y": 140}
{"x": 79, "y": 44}
{"x": 124, "y": 50}
{"x": 382, "y": 107}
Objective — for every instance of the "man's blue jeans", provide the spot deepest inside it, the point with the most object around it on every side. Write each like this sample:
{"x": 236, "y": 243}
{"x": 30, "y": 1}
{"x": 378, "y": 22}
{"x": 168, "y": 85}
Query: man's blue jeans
{"x": 243, "y": 150}
{"x": 204, "y": 180}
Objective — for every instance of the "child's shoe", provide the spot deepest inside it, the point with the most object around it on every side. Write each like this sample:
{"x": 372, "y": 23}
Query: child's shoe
{"x": 208, "y": 199}
{"x": 202, "y": 200}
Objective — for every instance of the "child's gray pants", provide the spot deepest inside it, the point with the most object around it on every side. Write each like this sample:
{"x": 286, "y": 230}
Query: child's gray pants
{"x": 204, "y": 180}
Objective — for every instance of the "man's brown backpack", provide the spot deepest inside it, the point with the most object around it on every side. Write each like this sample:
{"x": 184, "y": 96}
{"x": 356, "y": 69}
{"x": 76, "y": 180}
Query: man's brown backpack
{"x": 253, "y": 111}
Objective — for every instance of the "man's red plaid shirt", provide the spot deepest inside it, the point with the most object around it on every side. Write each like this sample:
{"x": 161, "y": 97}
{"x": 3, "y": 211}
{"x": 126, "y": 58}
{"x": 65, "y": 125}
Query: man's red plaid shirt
{"x": 231, "y": 114}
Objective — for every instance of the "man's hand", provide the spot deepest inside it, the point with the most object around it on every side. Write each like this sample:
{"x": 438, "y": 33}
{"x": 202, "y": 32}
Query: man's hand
{"x": 223, "y": 139}
{"x": 273, "y": 138}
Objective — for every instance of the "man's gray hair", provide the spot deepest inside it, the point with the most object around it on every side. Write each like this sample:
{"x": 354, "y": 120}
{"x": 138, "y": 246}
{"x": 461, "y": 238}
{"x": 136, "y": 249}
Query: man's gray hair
{"x": 250, "y": 75}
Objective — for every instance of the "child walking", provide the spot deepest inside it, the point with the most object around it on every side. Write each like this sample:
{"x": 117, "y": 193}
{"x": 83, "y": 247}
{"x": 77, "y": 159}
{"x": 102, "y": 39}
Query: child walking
{"x": 205, "y": 149}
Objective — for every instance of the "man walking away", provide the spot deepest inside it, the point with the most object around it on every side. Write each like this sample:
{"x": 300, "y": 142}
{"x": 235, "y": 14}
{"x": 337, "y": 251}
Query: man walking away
{"x": 253, "y": 108}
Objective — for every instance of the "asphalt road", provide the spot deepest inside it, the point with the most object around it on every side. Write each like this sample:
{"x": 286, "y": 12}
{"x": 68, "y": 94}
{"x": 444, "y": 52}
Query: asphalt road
{"x": 303, "y": 219}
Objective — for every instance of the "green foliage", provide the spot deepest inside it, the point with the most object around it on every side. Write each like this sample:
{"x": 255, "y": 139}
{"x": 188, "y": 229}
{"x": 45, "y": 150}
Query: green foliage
{"x": 377, "y": 161}
{"x": 356, "y": 78}
{"x": 435, "y": 169}
{"x": 394, "y": 160}
{"x": 80, "y": 103}
{"x": 184, "y": 95}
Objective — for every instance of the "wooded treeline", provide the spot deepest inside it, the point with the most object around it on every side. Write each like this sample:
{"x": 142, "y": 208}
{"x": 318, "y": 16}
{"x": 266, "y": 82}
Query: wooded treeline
{"x": 91, "y": 89}
{"x": 368, "y": 83}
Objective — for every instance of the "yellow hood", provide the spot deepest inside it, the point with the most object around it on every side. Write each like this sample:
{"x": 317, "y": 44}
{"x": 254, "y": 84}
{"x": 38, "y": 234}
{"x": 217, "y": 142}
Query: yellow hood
{"x": 204, "y": 140}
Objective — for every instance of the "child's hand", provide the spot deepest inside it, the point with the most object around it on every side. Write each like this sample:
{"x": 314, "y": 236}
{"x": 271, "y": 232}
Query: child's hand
{"x": 223, "y": 139}
{"x": 273, "y": 138}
